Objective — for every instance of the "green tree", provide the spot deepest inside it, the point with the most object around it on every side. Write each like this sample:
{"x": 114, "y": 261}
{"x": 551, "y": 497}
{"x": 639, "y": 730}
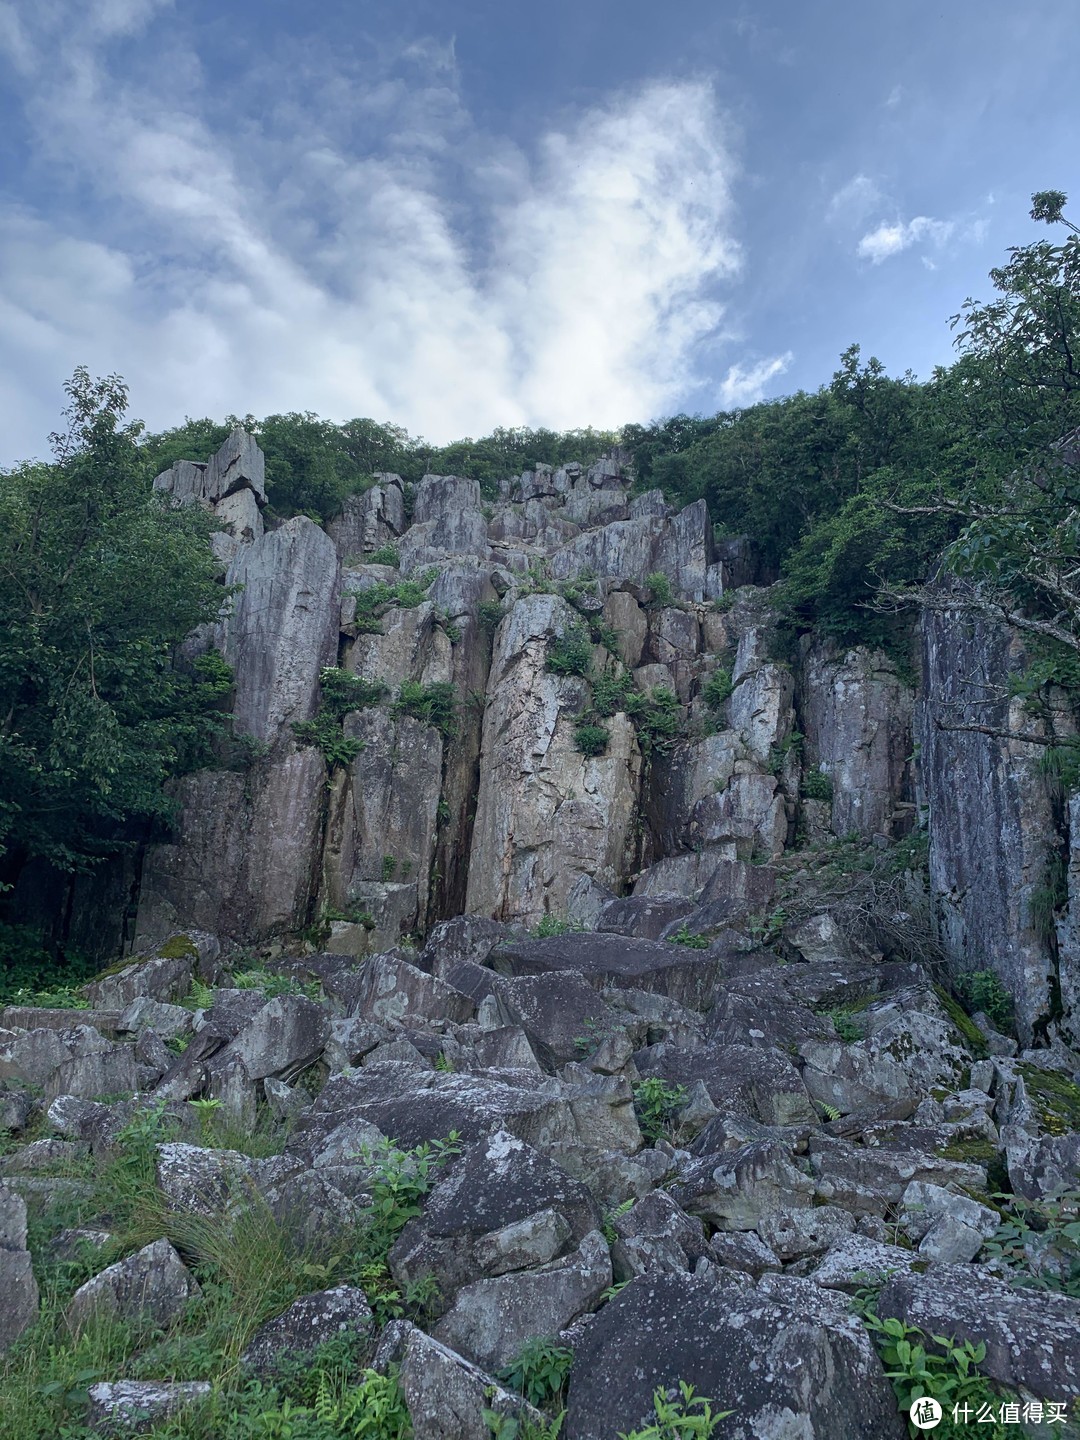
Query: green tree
{"x": 100, "y": 579}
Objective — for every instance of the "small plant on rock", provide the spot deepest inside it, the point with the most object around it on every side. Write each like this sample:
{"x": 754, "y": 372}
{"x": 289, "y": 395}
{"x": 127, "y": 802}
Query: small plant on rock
{"x": 539, "y": 1370}
{"x": 660, "y": 591}
{"x": 684, "y": 1416}
{"x": 591, "y": 739}
{"x": 571, "y": 653}
{"x": 685, "y": 936}
{"x": 656, "y": 1103}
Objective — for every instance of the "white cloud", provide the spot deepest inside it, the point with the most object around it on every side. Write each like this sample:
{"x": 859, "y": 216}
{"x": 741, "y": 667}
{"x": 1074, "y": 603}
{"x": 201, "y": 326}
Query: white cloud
{"x": 894, "y": 97}
{"x": 887, "y": 240}
{"x": 745, "y": 384}
{"x": 854, "y": 200}
{"x": 363, "y": 250}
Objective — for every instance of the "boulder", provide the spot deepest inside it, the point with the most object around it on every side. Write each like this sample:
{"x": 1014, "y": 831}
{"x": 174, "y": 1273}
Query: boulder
{"x": 151, "y": 1288}
{"x": 286, "y": 1035}
{"x": 308, "y": 1323}
{"x": 785, "y": 1367}
{"x": 1032, "y": 1337}
{"x": 734, "y": 1190}
{"x": 740, "y": 1079}
{"x": 490, "y": 1320}
{"x": 687, "y": 976}
{"x": 17, "y": 1283}
{"x": 445, "y": 1394}
{"x": 127, "y": 1406}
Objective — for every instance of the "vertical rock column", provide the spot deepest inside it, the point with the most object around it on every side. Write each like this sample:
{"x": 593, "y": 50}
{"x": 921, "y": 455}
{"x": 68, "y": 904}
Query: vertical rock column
{"x": 994, "y": 835}
{"x": 546, "y": 814}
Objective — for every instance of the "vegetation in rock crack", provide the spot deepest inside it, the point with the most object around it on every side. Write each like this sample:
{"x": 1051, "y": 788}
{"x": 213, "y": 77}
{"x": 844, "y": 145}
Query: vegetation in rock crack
{"x": 434, "y": 704}
{"x": 520, "y": 1427}
{"x": 659, "y": 587}
{"x": 341, "y": 694}
{"x": 656, "y": 1103}
{"x": 539, "y": 1370}
{"x": 570, "y": 653}
{"x": 385, "y": 555}
{"x": 372, "y": 602}
{"x": 551, "y": 925}
{"x": 679, "y": 1414}
{"x": 717, "y": 688}
{"x": 1040, "y": 1241}
{"x": 983, "y": 990}
{"x": 816, "y": 785}
{"x": 685, "y": 936}
{"x": 592, "y": 739}
{"x": 943, "y": 1368}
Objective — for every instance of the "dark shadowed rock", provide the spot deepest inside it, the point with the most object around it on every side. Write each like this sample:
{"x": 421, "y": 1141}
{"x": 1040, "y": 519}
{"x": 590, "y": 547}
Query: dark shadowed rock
{"x": 784, "y": 1369}
{"x": 758, "y": 1082}
{"x": 685, "y": 975}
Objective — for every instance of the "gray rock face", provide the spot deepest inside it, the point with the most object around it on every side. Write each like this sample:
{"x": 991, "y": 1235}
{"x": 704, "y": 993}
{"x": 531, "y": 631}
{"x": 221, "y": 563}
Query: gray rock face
{"x": 857, "y": 715}
{"x": 1032, "y": 1338}
{"x": 794, "y": 1367}
{"x": 308, "y": 1323}
{"x": 546, "y": 814}
{"x": 374, "y": 518}
{"x": 988, "y": 856}
{"x": 282, "y": 628}
{"x": 127, "y": 1406}
{"x": 491, "y": 1319}
{"x": 242, "y": 857}
{"x": 687, "y": 976}
{"x": 735, "y": 1190}
{"x": 17, "y": 1283}
{"x": 286, "y": 1035}
{"x": 150, "y": 1288}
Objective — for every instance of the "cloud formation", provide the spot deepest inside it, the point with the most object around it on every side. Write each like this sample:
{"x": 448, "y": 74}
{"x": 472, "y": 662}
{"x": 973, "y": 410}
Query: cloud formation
{"x": 746, "y": 384}
{"x": 364, "y": 249}
{"x": 890, "y": 239}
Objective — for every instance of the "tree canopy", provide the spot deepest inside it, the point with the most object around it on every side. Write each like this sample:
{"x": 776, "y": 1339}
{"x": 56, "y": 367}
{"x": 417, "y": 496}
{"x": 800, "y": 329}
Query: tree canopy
{"x": 100, "y": 581}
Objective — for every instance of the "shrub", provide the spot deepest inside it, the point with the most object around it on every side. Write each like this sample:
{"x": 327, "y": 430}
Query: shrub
{"x": 660, "y": 588}
{"x": 684, "y": 936}
{"x": 591, "y": 739}
{"x": 433, "y": 704}
{"x": 656, "y": 1103}
{"x": 539, "y": 1370}
{"x": 490, "y": 613}
{"x": 816, "y": 785}
{"x": 658, "y": 718}
{"x": 717, "y": 688}
{"x": 385, "y": 555}
{"x": 570, "y": 653}
{"x": 982, "y": 990}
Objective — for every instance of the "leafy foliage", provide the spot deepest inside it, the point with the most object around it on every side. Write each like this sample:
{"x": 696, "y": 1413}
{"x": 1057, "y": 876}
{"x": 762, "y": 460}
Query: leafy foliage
{"x": 539, "y": 1370}
{"x": 591, "y": 739}
{"x": 982, "y": 990}
{"x": 656, "y": 1103}
{"x": 434, "y": 704}
{"x": 571, "y": 653}
{"x": 680, "y": 1416}
{"x": 100, "y": 579}
{"x": 1040, "y": 1241}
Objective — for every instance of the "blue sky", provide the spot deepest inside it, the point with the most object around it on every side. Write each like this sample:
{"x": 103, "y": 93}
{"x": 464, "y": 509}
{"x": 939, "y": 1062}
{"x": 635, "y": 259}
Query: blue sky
{"x": 459, "y": 215}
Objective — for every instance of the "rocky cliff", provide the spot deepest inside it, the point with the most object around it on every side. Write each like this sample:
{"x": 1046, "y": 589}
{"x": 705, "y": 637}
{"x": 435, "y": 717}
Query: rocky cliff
{"x": 554, "y": 956}
{"x": 716, "y": 753}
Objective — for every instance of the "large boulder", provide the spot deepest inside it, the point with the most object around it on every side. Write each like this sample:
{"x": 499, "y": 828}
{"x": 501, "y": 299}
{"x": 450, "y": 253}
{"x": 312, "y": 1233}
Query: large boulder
{"x": 490, "y": 1320}
{"x": 686, "y": 975}
{"x": 1032, "y": 1338}
{"x": 799, "y": 1366}
{"x": 150, "y": 1288}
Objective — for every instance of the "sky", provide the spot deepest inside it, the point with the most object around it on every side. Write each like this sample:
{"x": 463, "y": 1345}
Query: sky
{"x": 464, "y": 214}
